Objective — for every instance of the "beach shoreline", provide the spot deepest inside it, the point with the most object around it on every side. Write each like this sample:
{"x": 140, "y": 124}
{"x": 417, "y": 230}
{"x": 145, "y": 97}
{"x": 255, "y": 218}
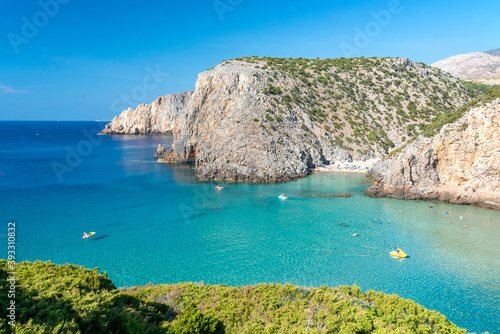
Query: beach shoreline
{"x": 355, "y": 166}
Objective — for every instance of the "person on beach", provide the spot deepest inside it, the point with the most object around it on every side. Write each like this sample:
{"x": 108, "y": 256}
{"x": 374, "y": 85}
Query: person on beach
{"x": 466, "y": 225}
{"x": 489, "y": 219}
{"x": 450, "y": 221}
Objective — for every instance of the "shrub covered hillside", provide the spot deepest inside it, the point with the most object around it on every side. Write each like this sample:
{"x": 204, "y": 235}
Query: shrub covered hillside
{"x": 365, "y": 104}
{"x": 71, "y": 299}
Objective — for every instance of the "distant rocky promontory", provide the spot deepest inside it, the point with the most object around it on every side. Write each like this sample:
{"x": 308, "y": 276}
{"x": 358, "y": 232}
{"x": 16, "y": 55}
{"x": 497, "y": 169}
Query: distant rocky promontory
{"x": 273, "y": 119}
{"x": 483, "y": 67}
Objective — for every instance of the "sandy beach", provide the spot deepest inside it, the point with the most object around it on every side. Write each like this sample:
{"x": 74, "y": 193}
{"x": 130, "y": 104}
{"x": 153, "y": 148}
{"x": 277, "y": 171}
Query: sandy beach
{"x": 354, "y": 166}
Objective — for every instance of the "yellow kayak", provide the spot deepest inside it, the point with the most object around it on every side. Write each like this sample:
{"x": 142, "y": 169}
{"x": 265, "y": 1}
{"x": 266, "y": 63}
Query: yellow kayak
{"x": 398, "y": 253}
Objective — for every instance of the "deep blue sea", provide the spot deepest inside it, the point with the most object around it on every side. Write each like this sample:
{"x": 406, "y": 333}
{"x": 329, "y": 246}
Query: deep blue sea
{"x": 156, "y": 223}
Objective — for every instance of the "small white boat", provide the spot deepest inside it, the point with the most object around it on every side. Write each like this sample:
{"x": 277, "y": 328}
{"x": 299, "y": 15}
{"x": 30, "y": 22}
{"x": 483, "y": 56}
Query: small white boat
{"x": 219, "y": 187}
{"x": 282, "y": 196}
{"x": 86, "y": 236}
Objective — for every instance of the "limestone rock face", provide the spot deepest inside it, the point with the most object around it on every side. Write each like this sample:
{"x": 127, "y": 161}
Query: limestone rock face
{"x": 221, "y": 136}
{"x": 464, "y": 156}
{"x": 149, "y": 119}
{"x": 475, "y": 65}
{"x": 160, "y": 151}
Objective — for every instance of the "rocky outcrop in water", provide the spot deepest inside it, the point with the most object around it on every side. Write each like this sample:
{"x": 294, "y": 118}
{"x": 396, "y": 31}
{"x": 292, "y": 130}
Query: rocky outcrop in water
{"x": 271, "y": 120}
{"x": 149, "y": 119}
{"x": 460, "y": 165}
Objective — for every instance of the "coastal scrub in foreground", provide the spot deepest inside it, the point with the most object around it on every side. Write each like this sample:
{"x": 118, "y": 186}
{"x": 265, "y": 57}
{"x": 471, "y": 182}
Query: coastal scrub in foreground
{"x": 67, "y": 298}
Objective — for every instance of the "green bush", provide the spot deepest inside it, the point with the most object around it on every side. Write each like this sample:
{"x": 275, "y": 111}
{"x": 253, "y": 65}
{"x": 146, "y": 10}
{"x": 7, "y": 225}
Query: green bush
{"x": 273, "y": 90}
{"x": 69, "y": 298}
{"x": 191, "y": 320}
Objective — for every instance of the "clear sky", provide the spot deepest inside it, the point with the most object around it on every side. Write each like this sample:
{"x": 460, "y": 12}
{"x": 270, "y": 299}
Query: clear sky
{"x": 88, "y": 60}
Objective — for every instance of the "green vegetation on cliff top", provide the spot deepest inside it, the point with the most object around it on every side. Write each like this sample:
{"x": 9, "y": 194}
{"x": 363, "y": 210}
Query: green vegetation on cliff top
{"x": 484, "y": 93}
{"x": 71, "y": 299}
{"x": 378, "y": 103}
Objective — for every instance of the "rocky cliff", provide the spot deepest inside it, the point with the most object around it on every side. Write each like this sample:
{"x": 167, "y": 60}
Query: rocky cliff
{"x": 272, "y": 119}
{"x": 475, "y": 65}
{"x": 149, "y": 119}
{"x": 459, "y": 165}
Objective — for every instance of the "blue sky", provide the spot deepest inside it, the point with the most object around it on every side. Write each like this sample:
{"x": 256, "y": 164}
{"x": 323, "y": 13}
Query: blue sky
{"x": 88, "y": 60}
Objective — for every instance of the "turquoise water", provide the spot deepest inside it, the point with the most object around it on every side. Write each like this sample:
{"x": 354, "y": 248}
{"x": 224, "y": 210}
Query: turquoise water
{"x": 157, "y": 223}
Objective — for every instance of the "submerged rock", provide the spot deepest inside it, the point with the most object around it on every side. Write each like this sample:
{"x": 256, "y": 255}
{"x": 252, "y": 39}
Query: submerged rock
{"x": 342, "y": 195}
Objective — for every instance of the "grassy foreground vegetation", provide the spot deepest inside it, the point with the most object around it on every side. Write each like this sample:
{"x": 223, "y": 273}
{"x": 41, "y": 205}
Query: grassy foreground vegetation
{"x": 71, "y": 299}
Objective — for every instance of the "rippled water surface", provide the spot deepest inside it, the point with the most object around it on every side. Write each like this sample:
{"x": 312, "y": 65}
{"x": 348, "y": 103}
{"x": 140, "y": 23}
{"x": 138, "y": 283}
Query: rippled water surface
{"x": 157, "y": 223}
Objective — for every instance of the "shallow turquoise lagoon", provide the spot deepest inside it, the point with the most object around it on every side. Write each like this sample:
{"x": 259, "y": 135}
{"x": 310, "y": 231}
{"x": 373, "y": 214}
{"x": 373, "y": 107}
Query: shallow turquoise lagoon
{"x": 157, "y": 223}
